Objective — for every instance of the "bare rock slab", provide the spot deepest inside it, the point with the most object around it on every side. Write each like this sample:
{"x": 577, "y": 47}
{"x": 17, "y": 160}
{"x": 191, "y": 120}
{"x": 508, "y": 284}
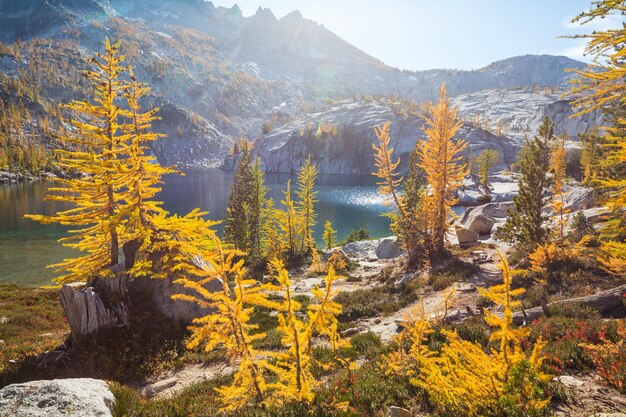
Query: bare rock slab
{"x": 77, "y": 397}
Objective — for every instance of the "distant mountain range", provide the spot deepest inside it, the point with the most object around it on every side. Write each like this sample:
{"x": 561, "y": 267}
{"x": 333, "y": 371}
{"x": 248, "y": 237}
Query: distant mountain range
{"x": 218, "y": 75}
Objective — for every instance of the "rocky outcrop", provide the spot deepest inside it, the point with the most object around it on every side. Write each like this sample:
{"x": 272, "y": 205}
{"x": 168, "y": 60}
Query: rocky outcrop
{"x": 348, "y": 150}
{"x": 82, "y": 397}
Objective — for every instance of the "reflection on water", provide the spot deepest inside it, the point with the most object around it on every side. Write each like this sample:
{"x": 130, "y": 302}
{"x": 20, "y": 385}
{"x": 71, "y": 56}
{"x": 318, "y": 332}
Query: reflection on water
{"x": 26, "y": 247}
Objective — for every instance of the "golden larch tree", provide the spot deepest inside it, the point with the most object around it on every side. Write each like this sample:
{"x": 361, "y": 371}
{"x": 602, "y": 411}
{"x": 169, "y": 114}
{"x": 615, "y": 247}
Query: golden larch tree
{"x": 439, "y": 157}
{"x": 94, "y": 151}
{"x": 305, "y": 206}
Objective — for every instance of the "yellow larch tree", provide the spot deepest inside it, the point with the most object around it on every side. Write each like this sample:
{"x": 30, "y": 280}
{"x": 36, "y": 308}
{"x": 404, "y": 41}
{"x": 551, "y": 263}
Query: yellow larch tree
{"x": 558, "y": 188}
{"x": 405, "y": 225}
{"x": 462, "y": 377}
{"x": 288, "y": 220}
{"x": 293, "y": 367}
{"x": 94, "y": 151}
{"x": 602, "y": 86}
{"x": 439, "y": 157}
{"x": 142, "y": 176}
{"x": 305, "y": 206}
{"x": 329, "y": 235}
{"x": 229, "y": 326}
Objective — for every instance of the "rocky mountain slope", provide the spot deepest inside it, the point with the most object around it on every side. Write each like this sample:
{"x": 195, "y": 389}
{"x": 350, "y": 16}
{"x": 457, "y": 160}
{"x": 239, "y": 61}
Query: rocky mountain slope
{"x": 218, "y": 75}
{"x": 339, "y": 139}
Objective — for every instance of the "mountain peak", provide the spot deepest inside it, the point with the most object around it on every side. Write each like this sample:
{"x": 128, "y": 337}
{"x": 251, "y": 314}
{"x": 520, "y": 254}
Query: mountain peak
{"x": 295, "y": 15}
{"x": 264, "y": 14}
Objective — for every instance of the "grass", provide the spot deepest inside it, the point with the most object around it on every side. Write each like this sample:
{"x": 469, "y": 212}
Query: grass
{"x": 31, "y": 322}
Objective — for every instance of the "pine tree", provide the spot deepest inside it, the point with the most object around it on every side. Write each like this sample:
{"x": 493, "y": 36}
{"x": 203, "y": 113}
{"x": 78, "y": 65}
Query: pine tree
{"x": 305, "y": 206}
{"x": 525, "y": 224}
{"x": 485, "y": 162}
{"x": 236, "y": 229}
{"x": 329, "y": 235}
{"x": 258, "y": 214}
{"x": 95, "y": 219}
{"x": 440, "y": 159}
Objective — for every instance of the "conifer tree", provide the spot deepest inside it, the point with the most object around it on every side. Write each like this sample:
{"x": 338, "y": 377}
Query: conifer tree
{"x": 288, "y": 220}
{"x": 485, "y": 162}
{"x": 329, "y": 235}
{"x": 558, "y": 193}
{"x": 238, "y": 210}
{"x": 602, "y": 86}
{"x": 402, "y": 221}
{"x": 258, "y": 213}
{"x": 229, "y": 327}
{"x": 525, "y": 224}
{"x": 439, "y": 157}
{"x": 95, "y": 151}
{"x": 293, "y": 367}
{"x": 305, "y": 206}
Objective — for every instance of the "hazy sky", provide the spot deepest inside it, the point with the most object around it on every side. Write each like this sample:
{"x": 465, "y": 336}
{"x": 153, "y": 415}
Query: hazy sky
{"x": 425, "y": 34}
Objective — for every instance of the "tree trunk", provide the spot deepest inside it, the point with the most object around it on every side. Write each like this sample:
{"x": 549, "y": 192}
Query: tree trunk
{"x": 604, "y": 302}
{"x": 99, "y": 305}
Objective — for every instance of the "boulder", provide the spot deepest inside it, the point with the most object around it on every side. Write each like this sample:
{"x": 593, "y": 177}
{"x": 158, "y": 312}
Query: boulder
{"x": 388, "y": 248}
{"x": 465, "y": 236}
{"x": 480, "y": 223}
{"x": 79, "y": 397}
{"x": 363, "y": 249}
{"x": 398, "y": 412}
{"x": 160, "y": 291}
{"x": 579, "y": 198}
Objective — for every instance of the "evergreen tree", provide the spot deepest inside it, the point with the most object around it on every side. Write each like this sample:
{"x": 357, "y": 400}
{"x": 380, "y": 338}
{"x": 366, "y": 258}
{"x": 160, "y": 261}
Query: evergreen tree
{"x": 440, "y": 159}
{"x": 258, "y": 213}
{"x": 485, "y": 163}
{"x": 525, "y": 224}
{"x": 240, "y": 202}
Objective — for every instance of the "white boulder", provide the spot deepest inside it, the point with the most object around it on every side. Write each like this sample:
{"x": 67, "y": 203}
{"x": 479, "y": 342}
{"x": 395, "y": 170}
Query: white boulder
{"x": 78, "y": 397}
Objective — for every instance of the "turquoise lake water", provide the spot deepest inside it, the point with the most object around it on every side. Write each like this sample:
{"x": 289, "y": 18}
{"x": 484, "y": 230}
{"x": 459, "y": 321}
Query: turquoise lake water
{"x": 26, "y": 247}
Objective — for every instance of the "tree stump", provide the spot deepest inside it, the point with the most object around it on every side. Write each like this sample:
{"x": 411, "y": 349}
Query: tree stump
{"x": 99, "y": 305}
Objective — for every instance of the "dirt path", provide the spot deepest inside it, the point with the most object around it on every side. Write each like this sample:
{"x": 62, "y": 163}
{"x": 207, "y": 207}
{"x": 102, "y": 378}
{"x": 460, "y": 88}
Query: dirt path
{"x": 464, "y": 302}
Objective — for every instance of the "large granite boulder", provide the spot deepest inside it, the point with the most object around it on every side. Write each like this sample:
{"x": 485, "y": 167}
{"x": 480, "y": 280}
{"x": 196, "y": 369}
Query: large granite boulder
{"x": 466, "y": 237}
{"x": 480, "y": 223}
{"x": 579, "y": 198}
{"x": 362, "y": 249}
{"x": 180, "y": 312}
{"x": 388, "y": 248}
{"x": 79, "y": 397}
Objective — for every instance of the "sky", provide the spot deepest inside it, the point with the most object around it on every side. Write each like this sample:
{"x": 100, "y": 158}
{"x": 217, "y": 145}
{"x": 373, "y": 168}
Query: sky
{"x": 456, "y": 34}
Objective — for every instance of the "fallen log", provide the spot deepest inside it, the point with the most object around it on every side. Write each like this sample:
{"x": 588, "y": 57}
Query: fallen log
{"x": 604, "y": 302}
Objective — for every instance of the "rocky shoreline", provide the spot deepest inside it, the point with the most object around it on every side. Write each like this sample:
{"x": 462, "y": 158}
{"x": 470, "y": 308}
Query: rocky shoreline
{"x": 8, "y": 177}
